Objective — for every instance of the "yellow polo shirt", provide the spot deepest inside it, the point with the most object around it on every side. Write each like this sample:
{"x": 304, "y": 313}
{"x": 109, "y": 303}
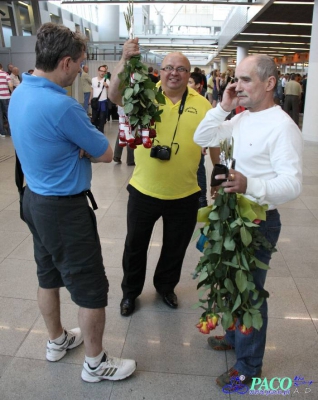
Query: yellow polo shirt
{"x": 175, "y": 178}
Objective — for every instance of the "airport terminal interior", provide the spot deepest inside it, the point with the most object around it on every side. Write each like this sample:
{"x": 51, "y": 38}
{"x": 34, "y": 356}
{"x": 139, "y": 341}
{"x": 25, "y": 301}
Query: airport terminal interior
{"x": 174, "y": 361}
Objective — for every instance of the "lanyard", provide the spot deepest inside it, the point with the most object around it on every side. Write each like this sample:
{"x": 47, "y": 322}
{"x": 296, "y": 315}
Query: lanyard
{"x": 181, "y": 108}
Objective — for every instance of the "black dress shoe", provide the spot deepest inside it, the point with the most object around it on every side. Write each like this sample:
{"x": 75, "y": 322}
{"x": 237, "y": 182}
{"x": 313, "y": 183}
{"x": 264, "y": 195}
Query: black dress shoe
{"x": 170, "y": 298}
{"x": 127, "y": 307}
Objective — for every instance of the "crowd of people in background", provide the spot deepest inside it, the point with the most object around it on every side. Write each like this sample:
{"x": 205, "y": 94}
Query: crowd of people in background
{"x": 290, "y": 92}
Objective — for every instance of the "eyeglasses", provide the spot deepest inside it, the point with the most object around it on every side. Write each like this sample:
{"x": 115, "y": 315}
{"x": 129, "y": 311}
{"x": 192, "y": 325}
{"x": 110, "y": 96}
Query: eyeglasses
{"x": 98, "y": 85}
{"x": 102, "y": 70}
{"x": 169, "y": 68}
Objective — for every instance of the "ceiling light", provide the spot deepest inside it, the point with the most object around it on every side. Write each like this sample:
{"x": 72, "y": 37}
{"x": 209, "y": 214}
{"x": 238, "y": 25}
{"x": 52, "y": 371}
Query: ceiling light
{"x": 273, "y": 34}
{"x": 305, "y": 3}
{"x": 268, "y": 41}
{"x": 281, "y": 23}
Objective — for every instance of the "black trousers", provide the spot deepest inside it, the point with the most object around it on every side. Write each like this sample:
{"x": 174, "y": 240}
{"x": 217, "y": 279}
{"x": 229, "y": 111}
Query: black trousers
{"x": 179, "y": 220}
{"x": 291, "y": 106}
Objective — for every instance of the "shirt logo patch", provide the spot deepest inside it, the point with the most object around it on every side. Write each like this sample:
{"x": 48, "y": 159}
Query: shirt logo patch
{"x": 191, "y": 110}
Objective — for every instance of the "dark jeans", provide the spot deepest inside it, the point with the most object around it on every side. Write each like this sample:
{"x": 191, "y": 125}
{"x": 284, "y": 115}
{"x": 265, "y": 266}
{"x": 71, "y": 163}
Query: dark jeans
{"x": 202, "y": 182}
{"x": 179, "y": 219}
{"x": 4, "y": 104}
{"x": 99, "y": 118}
{"x": 250, "y": 349}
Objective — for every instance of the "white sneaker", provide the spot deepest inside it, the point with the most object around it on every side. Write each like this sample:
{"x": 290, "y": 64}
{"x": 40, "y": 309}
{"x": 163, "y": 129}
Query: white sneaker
{"x": 73, "y": 338}
{"x": 3, "y": 136}
{"x": 111, "y": 368}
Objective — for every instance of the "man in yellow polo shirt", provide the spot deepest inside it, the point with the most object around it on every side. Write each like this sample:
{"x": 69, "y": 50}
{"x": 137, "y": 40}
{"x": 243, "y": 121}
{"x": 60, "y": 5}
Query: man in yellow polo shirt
{"x": 162, "y": 188}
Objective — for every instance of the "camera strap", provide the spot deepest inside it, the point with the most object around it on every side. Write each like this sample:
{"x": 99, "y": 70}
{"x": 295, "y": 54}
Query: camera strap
{"x": 181, "y": 108}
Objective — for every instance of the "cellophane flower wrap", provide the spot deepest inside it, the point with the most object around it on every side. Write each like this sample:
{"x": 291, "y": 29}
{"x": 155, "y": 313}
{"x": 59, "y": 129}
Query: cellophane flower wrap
{"x": 229, "y": 240}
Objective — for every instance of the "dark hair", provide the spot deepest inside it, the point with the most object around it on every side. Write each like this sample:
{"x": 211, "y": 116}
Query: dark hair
{"x": 55, "y": 42}
{"x": 150, "y": 70}
{"x": 197, "y": 77}
{"x": 102, "y": 66}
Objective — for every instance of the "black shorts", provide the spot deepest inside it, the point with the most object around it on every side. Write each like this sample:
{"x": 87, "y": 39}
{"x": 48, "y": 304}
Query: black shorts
{"x": 67, "y": 248}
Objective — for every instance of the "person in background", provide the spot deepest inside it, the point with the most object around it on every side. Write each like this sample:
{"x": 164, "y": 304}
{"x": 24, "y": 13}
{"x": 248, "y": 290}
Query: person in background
{"x": 15, "y": 77}
{"x": 6, "y": 88}
{"x": 216, "y": 87}
{"x": 56, "y": 148}
{"x": 153, "y": 78}
{"x": 292, "y": 98}
{"x": 100, "y": 84}
{"x": 118, "y": 151}
{"x": 86, "y": 82}
{"x": 268, "y": 153}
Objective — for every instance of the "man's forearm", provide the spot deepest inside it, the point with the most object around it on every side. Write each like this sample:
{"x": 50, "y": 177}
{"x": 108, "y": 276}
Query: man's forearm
{"x": 114, "y": 93}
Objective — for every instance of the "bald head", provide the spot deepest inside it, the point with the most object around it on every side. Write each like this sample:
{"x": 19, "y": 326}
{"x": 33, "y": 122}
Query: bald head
{"x": 174, "y": 81}
{"x": 85, "y": 68}
{"x": 179, "y": 57}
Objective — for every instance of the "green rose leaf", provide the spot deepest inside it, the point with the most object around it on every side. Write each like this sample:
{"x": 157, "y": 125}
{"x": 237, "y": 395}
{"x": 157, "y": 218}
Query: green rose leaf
{"x": 229, "y": 285}
{"x": 217, "y": 248}
{"x": 247, "y": 319}
{"x": 257, "y": 321}
{"x": 203, "y": 276}
{"x": 237, "y": 303}
{"x": 128, "y": 93}
{"x": 227, "y": 320}
{"x": 136, "y": 88}
{"x": 229, "y": 243}
{"x": 232, "y": 202}
{"x": 215, "y": 235}
{"x": 150, "y": 94}
{"x": 134, "y": 120}
{"x": 137, "y": 76}
{"x": 214, "y": 216}
{"x": 241, "y": 280}
{"x": 246, "y": 237}
{"x": 146, "y": 119}
{"x": 224, "y": 212}
{"x": 260, "y": 264}
{"x": 128, "y": 108}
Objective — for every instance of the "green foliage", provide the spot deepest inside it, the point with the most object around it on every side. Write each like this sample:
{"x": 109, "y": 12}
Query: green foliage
{"x": 225, "y": 269}
{"x": 141, "y": 97}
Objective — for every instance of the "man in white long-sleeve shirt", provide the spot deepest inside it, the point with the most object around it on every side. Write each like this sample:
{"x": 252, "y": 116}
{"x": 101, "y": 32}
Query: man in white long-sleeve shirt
{"x": 268, "y": 152}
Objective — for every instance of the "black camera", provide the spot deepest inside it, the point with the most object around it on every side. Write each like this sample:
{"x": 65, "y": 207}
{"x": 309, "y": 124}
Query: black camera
{"x": 160, "y": 152}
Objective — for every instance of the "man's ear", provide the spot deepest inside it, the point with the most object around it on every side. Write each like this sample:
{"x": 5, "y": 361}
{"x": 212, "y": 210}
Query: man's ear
{"x": 65, "y": 62}
{"x": 271, "y": 83}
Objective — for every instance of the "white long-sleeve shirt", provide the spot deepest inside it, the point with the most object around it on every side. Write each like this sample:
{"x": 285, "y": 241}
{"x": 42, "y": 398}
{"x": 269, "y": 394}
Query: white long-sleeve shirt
{"x": 268, "y": 150}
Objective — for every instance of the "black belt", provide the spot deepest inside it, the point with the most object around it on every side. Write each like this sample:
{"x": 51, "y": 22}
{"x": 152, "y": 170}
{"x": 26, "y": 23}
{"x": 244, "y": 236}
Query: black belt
{"x": 87, "y": 193}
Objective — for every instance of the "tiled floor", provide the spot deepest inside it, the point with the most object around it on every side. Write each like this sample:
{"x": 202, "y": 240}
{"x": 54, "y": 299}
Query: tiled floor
{"x": 174, "y": 361}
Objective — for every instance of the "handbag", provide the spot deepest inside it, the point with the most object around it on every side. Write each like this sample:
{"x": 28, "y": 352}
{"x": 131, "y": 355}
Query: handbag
{"x": 95, "y": 100}
{"x": 19, "y": 179}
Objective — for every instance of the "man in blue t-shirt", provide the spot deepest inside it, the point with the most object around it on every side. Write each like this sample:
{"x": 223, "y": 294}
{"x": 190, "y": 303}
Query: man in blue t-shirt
{"x": 56, "y": 144}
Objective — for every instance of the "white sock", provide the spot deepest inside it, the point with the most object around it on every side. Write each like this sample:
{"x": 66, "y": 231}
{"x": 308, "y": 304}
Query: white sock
{"x": 94, "y": 362}
{"x": 60, "y": 339}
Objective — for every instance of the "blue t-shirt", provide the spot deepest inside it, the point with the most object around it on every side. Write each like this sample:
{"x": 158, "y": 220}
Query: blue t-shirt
{"x": 48, "y": 130}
